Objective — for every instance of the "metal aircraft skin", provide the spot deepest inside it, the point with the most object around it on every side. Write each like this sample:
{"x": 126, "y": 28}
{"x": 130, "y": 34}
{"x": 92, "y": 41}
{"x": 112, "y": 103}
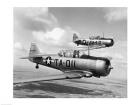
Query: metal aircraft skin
{"x": 72, "y": 66}
{"x": 94, "y": 41}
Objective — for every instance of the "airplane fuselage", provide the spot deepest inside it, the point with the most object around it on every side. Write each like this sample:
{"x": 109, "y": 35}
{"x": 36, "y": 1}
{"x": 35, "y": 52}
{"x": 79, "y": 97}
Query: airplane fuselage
{"x": 97, "y": 65}
{"x": 102, "y": 41}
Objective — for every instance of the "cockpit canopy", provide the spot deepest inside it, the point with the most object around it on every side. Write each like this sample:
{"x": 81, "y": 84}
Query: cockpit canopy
{"x": 70, "y": 53}
{"x": 94, "y": 37}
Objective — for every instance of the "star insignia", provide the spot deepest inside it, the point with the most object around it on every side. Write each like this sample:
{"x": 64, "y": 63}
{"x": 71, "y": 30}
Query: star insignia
{"x": 48, "y": 60}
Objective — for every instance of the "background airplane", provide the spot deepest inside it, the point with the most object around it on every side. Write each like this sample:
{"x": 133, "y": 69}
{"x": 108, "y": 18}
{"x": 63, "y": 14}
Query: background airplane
{"x": 73, "y": 65}
{"x": 96, "y": 42}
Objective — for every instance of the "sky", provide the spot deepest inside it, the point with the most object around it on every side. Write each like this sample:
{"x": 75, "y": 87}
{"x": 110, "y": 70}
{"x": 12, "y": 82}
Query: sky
{"x": 52, "y": 29}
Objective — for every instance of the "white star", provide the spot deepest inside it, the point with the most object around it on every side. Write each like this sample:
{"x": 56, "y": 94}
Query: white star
{"x": 48, "y": 61}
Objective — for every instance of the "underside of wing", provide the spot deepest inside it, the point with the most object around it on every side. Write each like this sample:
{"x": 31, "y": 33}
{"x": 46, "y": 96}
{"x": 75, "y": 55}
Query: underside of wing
{"x": 97, "y": 46}
{"x": 53, "y": 77}
{"x": 85, "y": 48}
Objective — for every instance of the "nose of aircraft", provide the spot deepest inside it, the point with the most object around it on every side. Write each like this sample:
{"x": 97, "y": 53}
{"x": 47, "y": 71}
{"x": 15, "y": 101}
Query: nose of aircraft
{"x": 112, "y": 42}
{"x": 109, "y": 67}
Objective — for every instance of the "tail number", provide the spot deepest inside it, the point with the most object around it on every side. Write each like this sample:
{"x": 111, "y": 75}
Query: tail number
{"x": 67, "y": 63}
{"x": 70, "y": 63}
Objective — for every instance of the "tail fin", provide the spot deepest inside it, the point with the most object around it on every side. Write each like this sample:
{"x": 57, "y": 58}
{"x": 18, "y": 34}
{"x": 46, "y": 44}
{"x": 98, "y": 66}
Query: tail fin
{"x": 109, "y": 57}
{"x": 34, "y": 50}
{"x": 75, "y": 37}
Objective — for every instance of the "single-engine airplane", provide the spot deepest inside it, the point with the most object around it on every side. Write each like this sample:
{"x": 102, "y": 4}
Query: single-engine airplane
{"x": 94, "y": 41}
{"x": 71, "y": 63}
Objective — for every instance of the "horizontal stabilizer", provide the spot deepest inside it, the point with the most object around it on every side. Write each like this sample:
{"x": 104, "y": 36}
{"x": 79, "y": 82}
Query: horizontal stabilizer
{"x": 24, "y": 58}
{"x": 108, "y": 57}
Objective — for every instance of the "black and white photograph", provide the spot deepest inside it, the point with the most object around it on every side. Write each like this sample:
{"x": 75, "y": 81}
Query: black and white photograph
{"x": 69, "y": 52}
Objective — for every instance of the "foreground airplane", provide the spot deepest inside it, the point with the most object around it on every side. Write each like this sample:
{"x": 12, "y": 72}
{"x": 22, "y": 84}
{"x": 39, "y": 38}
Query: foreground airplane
{"x": 71, "y": 63}
{"x": 96, "y": 42}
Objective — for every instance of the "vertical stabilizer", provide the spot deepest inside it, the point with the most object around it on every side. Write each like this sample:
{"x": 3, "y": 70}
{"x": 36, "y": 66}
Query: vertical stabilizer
{"x": 34, "y": 50}
{"x": 75, "y": 37}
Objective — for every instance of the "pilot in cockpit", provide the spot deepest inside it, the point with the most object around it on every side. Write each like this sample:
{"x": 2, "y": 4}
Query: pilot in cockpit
{"x": 76, "y": 53}
{"x": 94, "y": 37}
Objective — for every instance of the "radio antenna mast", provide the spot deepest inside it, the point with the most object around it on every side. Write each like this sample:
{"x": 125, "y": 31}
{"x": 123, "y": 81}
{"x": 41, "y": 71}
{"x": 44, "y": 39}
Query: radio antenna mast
{"x": 103, "y": 34}
{"x": 88, "y": 50}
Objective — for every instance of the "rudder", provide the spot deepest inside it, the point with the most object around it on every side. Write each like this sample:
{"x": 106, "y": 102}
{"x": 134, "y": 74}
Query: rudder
{"x": 34, "y": 49}
{"x": 75, "y": 37}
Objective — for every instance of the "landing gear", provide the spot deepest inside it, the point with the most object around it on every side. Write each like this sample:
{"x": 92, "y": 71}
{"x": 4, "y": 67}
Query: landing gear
{"x": 36, "y": 66}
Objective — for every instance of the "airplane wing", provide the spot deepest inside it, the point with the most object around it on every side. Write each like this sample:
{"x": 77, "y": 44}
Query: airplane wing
{"x": 85, "y": 48}
{"x": 97, "y": 46}
{"x": 68, "y": 75}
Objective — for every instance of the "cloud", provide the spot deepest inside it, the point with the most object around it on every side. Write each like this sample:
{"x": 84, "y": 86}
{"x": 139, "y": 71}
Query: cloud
{"x": 34, "y": 18}
{"x": 118, "y": 52}
{"x": 20, "y": 51}
{"x": 58, "y": 37}
{"x": 108, "y": 53}
{"x": 115, "y": 14}
{"x": 42, "y": 26}
{"x": 54, "y": 36}
{"x": 34, "y": 11}
{"x": 19, "y": 47}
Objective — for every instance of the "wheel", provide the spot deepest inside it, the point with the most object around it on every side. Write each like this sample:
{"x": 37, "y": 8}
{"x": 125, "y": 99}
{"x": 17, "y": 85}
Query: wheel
{"x": 67, "y": 77}
{"x": 36, "y": 66}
